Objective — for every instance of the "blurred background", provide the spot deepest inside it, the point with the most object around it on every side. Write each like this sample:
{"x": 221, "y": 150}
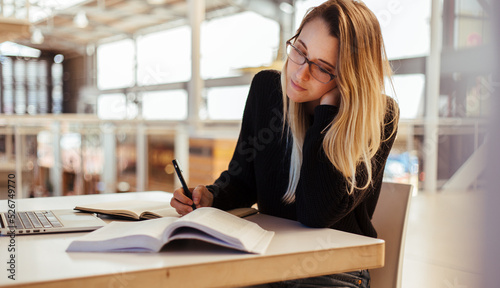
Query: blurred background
{"x": 98, "y": 96}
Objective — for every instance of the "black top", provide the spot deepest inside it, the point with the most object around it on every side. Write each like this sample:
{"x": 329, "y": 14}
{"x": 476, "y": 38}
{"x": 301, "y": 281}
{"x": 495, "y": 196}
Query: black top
{"x": 258, "y": 171}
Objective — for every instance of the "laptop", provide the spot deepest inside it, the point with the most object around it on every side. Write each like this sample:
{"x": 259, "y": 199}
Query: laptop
{"x": 48, "y": 221}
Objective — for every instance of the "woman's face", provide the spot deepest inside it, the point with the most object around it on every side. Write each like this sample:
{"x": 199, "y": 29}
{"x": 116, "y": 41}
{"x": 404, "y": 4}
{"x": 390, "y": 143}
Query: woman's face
{"x": 316, "y": 43}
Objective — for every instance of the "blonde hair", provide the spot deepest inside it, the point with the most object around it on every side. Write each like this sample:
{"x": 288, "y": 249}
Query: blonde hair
{"x": 354, "y": 136}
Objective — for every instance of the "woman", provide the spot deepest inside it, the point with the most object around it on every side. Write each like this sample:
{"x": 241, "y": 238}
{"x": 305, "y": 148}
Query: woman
{"x": 315, "y": 138}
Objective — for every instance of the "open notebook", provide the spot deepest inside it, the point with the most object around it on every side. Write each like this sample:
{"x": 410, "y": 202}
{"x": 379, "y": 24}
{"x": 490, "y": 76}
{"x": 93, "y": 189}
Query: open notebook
{"x": 131, "y": 209}
{"x": 205, "y": 224}
{"x": 144, "y": 210}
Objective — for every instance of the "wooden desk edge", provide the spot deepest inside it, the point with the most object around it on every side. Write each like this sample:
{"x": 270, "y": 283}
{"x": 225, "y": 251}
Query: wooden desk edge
{"x": 238, "y": 272}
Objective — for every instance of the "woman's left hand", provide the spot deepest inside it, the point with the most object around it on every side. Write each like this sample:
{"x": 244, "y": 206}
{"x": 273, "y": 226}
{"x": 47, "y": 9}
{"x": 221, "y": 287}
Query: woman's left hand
{"x": 331, "y": 97}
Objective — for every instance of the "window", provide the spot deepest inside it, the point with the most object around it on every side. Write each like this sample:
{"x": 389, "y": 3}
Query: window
{"x": 471, "y": 24}
{"x": 226, "y": 103}
{"x": 57, "y": 87}
{"x": 115, "y": 65}
{"x": 231, "y": 43}
{"x": 410, "y": 41}
{"x": 164, "y": 105}
{"x": 111, "y": 106}
{"x": 164, "y": 57}
{"x": 409, "y": 94}
{"x": 414, "y": 16}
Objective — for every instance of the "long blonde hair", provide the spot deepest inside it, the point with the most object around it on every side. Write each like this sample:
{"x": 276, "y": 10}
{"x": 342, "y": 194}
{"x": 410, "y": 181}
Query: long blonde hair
{"x": 354, "y": 136}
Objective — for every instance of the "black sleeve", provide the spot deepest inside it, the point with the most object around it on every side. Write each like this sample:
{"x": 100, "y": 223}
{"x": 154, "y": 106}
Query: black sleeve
{"x": 236, "y": 187}
{"x": 321, "y": 195}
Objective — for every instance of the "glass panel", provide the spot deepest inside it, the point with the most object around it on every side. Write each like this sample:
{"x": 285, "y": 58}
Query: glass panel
{"x": 409, "y": 94}
{"x": 31, "y": 83}
{"x": 301, "y": 7}
{"x": 43, "y": 87}
{"x": 402, "y": 167}
{"x": 42, "y": 185}
{"x": 160, "y": 169}
{"x": 115, "y": 65}
{"x": 57, "y": 88}
{"x": 467, "y": 96}
{"x": 7, "y": 85}
{"x": 413, "y": 40}
{"x": 472, "y": 27}
{"x": 92, "y": 159}
{"x": 126, "y": 157}
{"x": 230, "y": 43}
{"x": 164, "y": 57}
{"x": 226, "y": 103}
{"x": 20, "y": 87}
{"x": 32, "y": 145}
{"x": 71, "y": 160}
{"x": 165, "y": 105}
{"x": 70, "y": 157}
{"x": 8, "y": 8}
{"x": 111, "y": 106}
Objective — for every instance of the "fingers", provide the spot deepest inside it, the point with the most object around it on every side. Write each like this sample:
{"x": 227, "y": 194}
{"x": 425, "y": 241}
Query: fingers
{"x": 331, "y": 97}
{"x": 202, "y": 197}
{"x": 181, "y": 202}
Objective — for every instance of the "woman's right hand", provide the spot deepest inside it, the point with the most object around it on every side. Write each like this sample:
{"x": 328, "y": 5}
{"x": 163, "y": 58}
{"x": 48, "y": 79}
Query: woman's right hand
{"x": 201, "y": 198}
{"x": 331, "y": 97}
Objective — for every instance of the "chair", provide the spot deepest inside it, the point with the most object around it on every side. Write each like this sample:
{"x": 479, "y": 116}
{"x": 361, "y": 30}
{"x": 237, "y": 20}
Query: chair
{"x": 390, "y": 219}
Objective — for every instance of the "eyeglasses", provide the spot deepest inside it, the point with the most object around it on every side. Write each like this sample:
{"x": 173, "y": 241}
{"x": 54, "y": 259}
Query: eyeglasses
{"x": 299, "y": 58}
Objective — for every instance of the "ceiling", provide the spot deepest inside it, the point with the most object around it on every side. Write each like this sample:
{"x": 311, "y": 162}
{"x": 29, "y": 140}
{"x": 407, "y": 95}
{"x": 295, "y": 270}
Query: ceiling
{"x": 117, "y": 19}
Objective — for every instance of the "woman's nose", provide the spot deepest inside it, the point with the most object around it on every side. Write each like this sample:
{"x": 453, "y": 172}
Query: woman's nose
{"x": 303, "y": 72}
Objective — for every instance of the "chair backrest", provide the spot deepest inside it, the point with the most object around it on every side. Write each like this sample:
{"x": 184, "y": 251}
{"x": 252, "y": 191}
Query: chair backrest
{"x": 389, "y": 219}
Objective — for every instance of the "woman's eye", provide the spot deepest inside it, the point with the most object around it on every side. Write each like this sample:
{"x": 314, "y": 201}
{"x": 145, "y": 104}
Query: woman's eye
{"x": 301, "y": 50}
{"x": 325, "y": 70}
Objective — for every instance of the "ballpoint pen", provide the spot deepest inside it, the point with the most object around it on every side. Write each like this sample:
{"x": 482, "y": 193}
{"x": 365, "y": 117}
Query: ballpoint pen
{"x": 187, "y": 192}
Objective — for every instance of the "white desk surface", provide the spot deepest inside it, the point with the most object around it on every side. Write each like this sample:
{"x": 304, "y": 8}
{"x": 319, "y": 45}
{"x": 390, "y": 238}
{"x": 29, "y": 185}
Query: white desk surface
{"x": 296, "y": 251}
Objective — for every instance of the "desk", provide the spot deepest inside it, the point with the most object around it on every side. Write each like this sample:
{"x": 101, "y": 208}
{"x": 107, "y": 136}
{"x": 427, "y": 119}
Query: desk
{"x": 296, "y": 251}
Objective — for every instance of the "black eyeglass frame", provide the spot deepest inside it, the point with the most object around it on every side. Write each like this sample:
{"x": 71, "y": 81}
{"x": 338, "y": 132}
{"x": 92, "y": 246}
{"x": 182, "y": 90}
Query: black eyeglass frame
{"x": 309, "y": 62}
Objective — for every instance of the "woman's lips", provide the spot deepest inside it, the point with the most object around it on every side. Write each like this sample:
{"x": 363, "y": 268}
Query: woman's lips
{"x": 296, "y": 87}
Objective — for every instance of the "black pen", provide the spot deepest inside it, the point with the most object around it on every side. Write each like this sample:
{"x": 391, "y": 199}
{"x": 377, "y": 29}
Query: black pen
{"x": 187, "y": 192}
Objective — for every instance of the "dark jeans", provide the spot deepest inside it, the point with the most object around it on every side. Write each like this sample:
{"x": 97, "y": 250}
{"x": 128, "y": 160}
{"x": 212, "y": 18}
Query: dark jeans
{"x": 356, "y": 279}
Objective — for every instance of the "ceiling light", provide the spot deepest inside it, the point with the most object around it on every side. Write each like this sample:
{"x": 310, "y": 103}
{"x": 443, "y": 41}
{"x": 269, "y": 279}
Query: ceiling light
{"x": 13, "y": 49}
{"x": 37, "y": 36}
{"x": 81, "y": 20}
{"x": 58, "y": 58}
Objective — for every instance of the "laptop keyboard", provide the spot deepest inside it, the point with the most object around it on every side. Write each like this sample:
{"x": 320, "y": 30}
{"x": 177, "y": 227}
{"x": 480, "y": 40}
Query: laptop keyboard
{"x": 36, "y": 219}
